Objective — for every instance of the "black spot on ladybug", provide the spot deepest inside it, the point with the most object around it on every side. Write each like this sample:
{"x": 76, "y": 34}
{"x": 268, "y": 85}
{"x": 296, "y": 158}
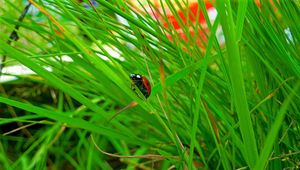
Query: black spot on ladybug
{"x": 142, "y": 83}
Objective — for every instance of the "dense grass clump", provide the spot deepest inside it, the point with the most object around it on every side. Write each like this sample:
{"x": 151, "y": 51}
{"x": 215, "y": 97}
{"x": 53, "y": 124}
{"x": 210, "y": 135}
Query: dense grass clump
{"x": 225, "y": 91}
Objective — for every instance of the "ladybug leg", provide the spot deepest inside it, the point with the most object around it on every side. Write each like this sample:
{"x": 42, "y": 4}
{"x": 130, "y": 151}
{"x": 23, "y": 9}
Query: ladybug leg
{"x": 133, "y": 87}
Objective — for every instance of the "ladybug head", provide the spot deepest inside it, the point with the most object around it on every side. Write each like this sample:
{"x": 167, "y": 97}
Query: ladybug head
{"x": 135, "y": 76}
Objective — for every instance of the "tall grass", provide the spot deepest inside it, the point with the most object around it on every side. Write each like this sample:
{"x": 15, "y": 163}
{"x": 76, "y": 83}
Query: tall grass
{"x": 213, "y": 105}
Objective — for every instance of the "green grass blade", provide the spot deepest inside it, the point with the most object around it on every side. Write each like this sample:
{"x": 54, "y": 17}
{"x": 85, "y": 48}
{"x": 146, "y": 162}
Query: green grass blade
{"x": 237, "y": 82}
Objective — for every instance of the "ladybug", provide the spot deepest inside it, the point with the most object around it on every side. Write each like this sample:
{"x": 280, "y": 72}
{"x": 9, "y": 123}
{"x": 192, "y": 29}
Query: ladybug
{"x": 142, "y": 83}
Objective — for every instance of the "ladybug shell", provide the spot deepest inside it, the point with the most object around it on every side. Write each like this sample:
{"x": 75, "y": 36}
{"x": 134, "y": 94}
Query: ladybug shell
{"x": 142, "y": 83}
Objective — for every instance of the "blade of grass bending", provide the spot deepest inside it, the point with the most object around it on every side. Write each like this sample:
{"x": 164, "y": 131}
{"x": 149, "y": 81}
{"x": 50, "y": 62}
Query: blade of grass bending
{"x": 237, "y": 82}
{"x": 58, "y": 83}
{"x": 74, "y": 122}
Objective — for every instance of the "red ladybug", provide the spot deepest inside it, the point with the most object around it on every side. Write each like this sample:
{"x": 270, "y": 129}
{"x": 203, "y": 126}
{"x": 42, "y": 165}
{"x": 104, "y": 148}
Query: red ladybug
{"x": 142, "y": 83}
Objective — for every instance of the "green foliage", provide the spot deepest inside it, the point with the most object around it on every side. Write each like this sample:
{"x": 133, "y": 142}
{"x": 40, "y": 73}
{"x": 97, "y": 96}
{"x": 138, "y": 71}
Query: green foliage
{"x": 213, "y": 105}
